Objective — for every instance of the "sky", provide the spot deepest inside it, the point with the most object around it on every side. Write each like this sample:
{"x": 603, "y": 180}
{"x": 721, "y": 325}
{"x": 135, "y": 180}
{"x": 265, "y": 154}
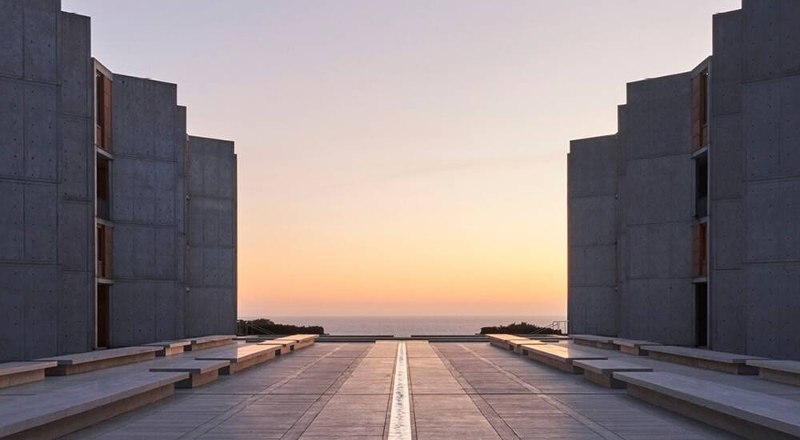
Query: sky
{"x": 402, "y": 157}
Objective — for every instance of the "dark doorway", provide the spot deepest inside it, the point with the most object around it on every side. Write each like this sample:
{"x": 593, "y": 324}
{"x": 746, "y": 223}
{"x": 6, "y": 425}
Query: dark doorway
{"x": 102, "y": 315}
{"x": 701, "y": 314}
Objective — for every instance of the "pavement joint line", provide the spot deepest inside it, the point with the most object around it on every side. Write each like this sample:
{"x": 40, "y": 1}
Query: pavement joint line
{"x": 400, "y": 412}
{"x": 561, "y": 406}
{"x": 235, "y": 409}
{"x": 495, "y": 420}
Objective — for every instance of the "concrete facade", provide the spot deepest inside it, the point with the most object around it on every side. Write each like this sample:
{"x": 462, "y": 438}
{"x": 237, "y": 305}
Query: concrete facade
{"x": 49, "y": 155}
{"x": 745, "y": 286}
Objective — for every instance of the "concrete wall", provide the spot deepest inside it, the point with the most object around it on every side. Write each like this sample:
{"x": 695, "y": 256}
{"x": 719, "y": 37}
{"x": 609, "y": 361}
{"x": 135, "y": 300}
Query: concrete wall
{"x": 46, "y": 244}
{"x": 657, "y": 296}
{"x": 770, "y": 111}
{"x": 146, "y": 177}
{"x": 593, "y": 303}
{"x": 211, "y": 257}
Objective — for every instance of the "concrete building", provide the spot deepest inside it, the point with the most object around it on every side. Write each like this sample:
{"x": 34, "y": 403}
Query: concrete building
{"x": 683, "y": 226}
{"x": 117, "y": 227}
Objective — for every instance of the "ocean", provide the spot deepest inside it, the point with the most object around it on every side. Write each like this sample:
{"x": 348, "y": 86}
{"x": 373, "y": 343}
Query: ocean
{"x": 409, "y": 325}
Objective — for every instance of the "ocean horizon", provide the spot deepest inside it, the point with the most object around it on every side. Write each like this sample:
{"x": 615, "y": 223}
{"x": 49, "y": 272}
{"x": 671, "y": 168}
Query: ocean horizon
{"x": 409, "y": 325}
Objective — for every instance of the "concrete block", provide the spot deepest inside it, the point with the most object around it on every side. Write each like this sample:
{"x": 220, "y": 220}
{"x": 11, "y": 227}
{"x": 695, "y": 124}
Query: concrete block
{"x": 729, "y": 311}
{"x": 591, "y": 265}
{"x": 76, "y": 158}
{"x": 659, "y": 190}
{"x": 41, "y": 131}
{"x": 42, "y": 287}
{"x": 12, "y": 222}
{"x": 592, "y": 220}
{"x": 40, "y": 37}
{"x": 75, "y": 320}
{"x": 772, "y": 301}
{"x": 41, "y": 223}
{"x": 165, "y": 311}
{"x": 11, "y": 39}
{"x": 75, "y": 236}
{"x": 593, "y": 310}
{"x": 772, "y": 128}
{"x": 673, "y": 298}
{"x": 76, "y": 71}
{"x": 726, "y": 64}
{"x": 771, "y": 39}
{"x": 660, "y": 250}
{"x": 771, "y": 211}
{"x": 592, "y": 167}
{"x": 727, "y": 229}
{"x": 12, "y": 137}
{"x": 12, "y": 312}
{"x": 727, "y": 164}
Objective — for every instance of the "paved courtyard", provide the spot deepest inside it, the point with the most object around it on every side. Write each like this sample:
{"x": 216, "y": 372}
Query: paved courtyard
{"x": 456, "y": 391}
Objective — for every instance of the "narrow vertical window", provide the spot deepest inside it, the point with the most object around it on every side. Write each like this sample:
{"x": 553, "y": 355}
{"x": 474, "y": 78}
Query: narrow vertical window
{"x": 102, "y": 111}
{"x": 700, "y": 110}
{"x": 699, "y": 246}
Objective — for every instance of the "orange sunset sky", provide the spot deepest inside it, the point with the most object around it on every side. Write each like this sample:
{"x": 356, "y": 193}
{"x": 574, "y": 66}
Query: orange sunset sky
{"x": 401, "y": 157}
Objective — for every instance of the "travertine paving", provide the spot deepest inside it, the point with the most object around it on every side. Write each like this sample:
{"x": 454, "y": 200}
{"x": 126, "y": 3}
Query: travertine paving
{"x": 457, "y": 390}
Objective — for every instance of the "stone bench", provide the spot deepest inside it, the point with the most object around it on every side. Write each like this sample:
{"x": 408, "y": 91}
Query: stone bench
{"x": 241, "y": 357}
{"x": 560, "y": 357}
{"x": 601, "y": 371}
{"x": 200, "y": 372}
{"x": 697, "y": 357}
{"x": 99, "y": 359}
{"x": 169, "y": 348}
{"x": 18, "y": 373}
{"x": 604, "y": 342}
{"x": 743, "y": 412}
{"x": 787, "y": 372}
{"x": 633, "y": 346}
{"x": 70, "y": 408}
{"x": 211, "y": 341}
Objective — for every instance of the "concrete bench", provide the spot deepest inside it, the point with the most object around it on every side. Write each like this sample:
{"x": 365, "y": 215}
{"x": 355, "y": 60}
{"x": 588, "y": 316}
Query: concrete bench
{"x": 633, "y": 346}
{"x": 200, "y": 372}
{"x": 559, "y": 357}
{"x": 241, "y": 357}
{"x": 70, "y": 408}
{"x": 96, "y": 360}
{"x": 211, "y": 341}
{"x": 285, "y": 346}
{"x": 787, "y": 372}
{"x": 601, "y": 371}
{"x": 604, "y": 342}
{"x": 300, "y": 341}
{"x": 169, "y": 348}
{"x": 743, "y": 412}
{"x": 504, "y": 341}
{"x": 519, "y": 346}
{"x": 18, "y": 373}
{"x": 711, "y": 360}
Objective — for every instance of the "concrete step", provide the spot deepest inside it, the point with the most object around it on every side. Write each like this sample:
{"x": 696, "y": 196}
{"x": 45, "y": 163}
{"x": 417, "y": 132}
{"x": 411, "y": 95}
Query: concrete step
{"x": 787, "y": 372}
{"x": 605, "y": 342}
{"x": 561, "y": 357}
{"x": 18, "y": 373}
{"x": 100, "y": 359}
{"x": 731, "y": 363}
{"x": 601, "y": 371}
{"x": 241, "y": 357}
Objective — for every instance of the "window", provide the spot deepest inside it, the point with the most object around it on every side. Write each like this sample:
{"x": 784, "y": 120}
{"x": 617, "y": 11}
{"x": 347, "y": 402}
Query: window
{"x": 700, "y": 110}
{"x": 699, "y": 246}
{"x": 103, "y": 251}
{"x": 102, "y": 115}
{"x": 701, "y": 186}
{"x": 103, "y": 186}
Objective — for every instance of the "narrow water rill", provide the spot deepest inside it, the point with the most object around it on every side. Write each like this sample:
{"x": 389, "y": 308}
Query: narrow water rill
{"x": 400, "y": 417}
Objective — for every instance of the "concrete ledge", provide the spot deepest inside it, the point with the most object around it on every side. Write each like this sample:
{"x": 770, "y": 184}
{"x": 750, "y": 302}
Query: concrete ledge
{"x": 601, "y": 371}
{"x": 242, "y": 357}
{"x": 633, "y": 346}
{"x": 300, "y": 341}
{"x": 517, "y": 346}
{"x": 200, "y": 372}
{"x": 285, "y": 347}
{"x": 211, "y": 341}
{"x": 76, "y": 407}
{"x": 18, "y": 373}
{"x": 100, "y": 359}
{"x": 730, "y": 363}
{"x": 742, "y": 412}
{"x": 604, "y": 342}
{"x": 787, "y": 372}
{"x": 559, "y": 357}
{"x": 169, "y": 348}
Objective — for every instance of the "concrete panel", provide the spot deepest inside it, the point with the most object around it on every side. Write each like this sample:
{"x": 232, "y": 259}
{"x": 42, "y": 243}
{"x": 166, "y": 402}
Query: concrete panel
{"x": 591, "y": 167}
{"x": 592, "y": 266}
{"x": 592, "y": 220}
{"x": 12, "y": 222}
{"x": 593, "y": 310}
{"x": 727, "y": 229}
{"x": 659, "y": 310}
{"x": 772, "y": 128}
{"x": 772, "y": 303}
{"x": 727, "y": 64}
{"x": 165, "y": 312}
{"x": 727, "y": 159}
{"x": 12, "y": 312}
{"x": 659, "y": 190}
{"x": 164, "y": 189}
{"x": 133, "y": 310}
{"x": 771, "y": 213}
{"x": 659, "y": 250}
{"x": 145, "y": 117}
{"x": 75, "y": 318}
{"x": 728, "y": 311}
{"x": 11, "y": 38}
{"x": 42, "y": 288}
{"x": 659, "y": 117}
{"x": 41, "y": 223}
{"x": 76, "y": 67}
{"x": 41, "y": 131}
{"x": 76, "y": 160}
{"x": 40, "y": 39}
{"x": 12, "y": 137}
{"x": 202, "y": 311}
{"x": 76, "y": 237}
{"x": 771, "y": 39}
